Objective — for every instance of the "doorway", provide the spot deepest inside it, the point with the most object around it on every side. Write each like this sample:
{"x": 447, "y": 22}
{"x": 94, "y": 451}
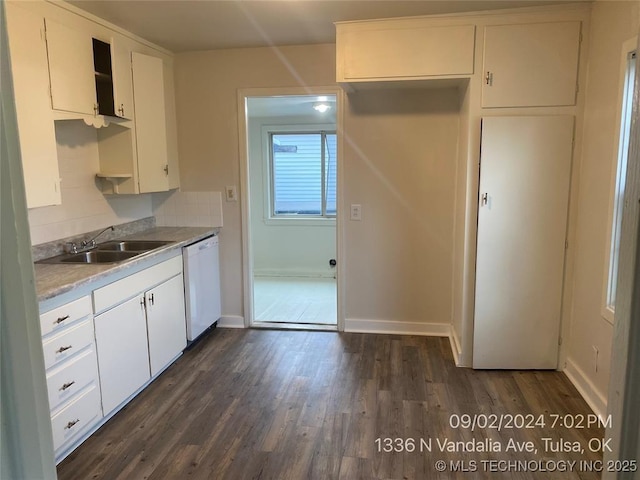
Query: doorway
{"x": 292, "y": 172}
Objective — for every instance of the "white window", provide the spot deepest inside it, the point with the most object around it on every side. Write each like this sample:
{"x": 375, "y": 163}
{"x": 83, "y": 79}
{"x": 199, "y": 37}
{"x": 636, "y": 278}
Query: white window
{"x": 303, "y": 174}
{"x": 617, "y": 202}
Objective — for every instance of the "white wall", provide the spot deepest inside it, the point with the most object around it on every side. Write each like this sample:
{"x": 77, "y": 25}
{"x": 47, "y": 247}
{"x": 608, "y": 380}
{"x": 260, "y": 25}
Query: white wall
{"x": 84, "y": 208}
{"x": 399, "y": 164}
{"x": 612, "y": 23}
{"x": 291, "y": 249}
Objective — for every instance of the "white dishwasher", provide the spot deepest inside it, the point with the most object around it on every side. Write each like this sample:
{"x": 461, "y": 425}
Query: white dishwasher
{"x": 201, "y": 285}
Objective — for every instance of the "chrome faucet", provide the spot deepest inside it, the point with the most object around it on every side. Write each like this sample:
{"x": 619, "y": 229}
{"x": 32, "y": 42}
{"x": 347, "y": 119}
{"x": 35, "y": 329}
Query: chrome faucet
{"x": 85, "y": 245}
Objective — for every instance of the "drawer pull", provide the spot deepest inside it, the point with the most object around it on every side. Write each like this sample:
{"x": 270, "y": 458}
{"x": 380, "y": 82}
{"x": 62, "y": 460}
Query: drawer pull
{"x": 66, "y": 385}
{"x": 64, "y": 349}
{"x": 60, "y": 320}
{"x": 71, "y": 423}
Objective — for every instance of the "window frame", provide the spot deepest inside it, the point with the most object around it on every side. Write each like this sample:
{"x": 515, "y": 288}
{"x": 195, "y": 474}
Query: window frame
{"x": 298, "y": 220}
{"x": 609, "y": 272}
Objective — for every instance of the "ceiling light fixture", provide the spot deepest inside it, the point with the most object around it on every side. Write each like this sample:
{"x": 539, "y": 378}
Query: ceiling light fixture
{"x": 321, "y": 107}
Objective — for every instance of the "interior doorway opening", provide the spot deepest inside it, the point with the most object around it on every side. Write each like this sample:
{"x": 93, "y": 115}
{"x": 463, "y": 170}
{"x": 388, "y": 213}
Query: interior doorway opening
{"x": 292, "y": 159}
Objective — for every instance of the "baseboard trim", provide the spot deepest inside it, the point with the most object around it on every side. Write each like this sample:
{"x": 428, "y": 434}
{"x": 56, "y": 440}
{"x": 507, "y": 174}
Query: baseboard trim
{"x": 586, "y": 388}
{"x": 359, "y": 325}
{"x": 231, "y": 321}
{"x": 455, "y": 345}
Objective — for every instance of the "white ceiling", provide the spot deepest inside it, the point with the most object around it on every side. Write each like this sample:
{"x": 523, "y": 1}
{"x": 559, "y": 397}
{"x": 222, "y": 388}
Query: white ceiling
{"x": 186, "y": 25}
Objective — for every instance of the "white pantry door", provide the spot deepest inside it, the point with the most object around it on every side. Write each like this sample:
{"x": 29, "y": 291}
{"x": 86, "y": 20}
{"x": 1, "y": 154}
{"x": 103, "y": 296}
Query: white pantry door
{"x": 522, "y": 221}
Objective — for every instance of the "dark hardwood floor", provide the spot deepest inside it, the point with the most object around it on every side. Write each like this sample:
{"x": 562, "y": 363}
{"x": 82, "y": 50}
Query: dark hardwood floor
{"x": 267, "y": 404}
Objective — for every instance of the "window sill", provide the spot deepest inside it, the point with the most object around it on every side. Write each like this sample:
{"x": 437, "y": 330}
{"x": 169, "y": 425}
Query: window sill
{"x": 300, "y": 222}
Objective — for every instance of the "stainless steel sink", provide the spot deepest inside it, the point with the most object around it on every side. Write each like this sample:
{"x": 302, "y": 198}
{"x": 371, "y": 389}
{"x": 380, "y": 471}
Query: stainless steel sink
{"x": 132, "y": 245}
{"x": 92, "y": 256}
{"x": 109, "y": 252}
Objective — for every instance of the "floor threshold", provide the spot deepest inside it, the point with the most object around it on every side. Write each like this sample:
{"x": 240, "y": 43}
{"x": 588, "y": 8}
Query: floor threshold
{"x": 295, "y": 326}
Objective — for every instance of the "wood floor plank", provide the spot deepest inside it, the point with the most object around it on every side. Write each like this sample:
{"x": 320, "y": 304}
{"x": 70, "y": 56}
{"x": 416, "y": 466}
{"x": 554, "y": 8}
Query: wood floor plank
{"x": 289, "y": 405}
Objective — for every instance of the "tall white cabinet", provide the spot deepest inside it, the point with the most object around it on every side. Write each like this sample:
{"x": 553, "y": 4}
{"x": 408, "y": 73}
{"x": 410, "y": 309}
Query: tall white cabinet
{"x": 525, "y": 171}
{"x": 36, "y": 131}
{"x": 151, "y": 123}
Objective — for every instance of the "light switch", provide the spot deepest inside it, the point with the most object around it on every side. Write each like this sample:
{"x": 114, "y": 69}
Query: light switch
{"x": 231, "y": 193}
{"x": 356, "y": 211}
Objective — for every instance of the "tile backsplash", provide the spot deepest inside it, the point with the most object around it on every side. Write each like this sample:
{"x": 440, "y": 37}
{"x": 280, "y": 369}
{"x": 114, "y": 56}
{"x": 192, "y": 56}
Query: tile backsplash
{"x": 188, "y": 209}
{"x": 84, "y": 208}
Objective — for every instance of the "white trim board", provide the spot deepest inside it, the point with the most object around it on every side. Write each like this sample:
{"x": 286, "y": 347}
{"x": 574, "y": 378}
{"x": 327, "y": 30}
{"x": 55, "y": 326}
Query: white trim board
{"x": 586, "y": 388}
{"x": 231, "y": 321}
{"x": 359, "y": 325}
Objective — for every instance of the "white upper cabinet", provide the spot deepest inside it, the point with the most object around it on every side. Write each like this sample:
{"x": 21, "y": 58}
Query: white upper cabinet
{"x": 397, "y": 50}
{"x": 531, "y": 65}
{"x": 122, "y": 83}
{"x": 33, "y": 109}
{"x": 71, "y": 70}
{"x": 151, "y": 123}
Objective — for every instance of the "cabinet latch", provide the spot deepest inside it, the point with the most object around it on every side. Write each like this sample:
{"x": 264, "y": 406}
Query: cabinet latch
{"x": 488, "y": 78}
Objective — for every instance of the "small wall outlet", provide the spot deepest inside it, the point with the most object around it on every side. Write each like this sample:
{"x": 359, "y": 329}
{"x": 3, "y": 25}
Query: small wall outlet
{"x": 356, "y": 211}
{"x": 231, "y": 193}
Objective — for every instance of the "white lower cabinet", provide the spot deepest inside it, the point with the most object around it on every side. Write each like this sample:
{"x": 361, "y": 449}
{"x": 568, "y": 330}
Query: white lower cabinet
{"x": 123, "y": 356}
{"x": 72, "y": 372}
{"x": 99, "y": 354}
{"x": 166, "y": 323}
{"x": 76, "y": 418}
{"x": 138, "y": 336}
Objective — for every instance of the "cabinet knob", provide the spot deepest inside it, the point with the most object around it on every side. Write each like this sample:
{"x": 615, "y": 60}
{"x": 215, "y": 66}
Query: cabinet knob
{"x": 64, "y": 349}
{"x": 121, "y": 110}
{"x": 95, "y": 109}
{"x": 60, "y": 320}
{"x": 67, "y": 385}
{"x": 166, "y": 169}
{"x": 71, "y": 423}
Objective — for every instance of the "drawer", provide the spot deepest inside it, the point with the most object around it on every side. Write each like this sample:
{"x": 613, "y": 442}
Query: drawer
{"x": 76, "y": 418}
{"x": 67, "y": 343}
{"x": 128, "y": 287}
{"x": 58, "y": 318}
{"x": 70, "y": 377}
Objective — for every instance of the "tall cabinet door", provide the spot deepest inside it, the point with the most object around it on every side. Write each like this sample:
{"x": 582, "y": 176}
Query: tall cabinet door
{"x": 151, "y": 124}
{"x": 123, "y": 355}
{"x": 166, "y": 323}
{"x": 33, "y": 108}
{"x": 522, "y": 223}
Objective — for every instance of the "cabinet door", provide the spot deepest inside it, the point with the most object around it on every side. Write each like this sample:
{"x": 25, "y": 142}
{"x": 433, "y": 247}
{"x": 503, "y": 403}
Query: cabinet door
{"x": 123, "y": 355}
{"x": 166, "y": 323}
{"x": 33, "y": 109}
{"x": 151, "y": 124}
{"x": 522, "y": 223}
{"x": 531, "y": 65}
{"x": 406, "y": 52}
{"x": 71, "y": 69}
{"x": 121, "y": 74}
